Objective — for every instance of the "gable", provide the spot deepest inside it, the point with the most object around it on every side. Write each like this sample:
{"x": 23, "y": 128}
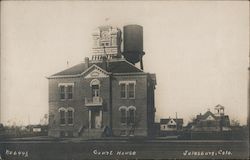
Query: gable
{"x": 210, "y": 118}
{"x": 96, "y": 72}
{"x": 206, "y": 115}
{"x": 171, "y": 122}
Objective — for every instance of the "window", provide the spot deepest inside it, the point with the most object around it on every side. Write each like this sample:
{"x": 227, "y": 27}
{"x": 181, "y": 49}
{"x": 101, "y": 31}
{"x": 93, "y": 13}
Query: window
{"x": 123, "y": 115}
{"x": 70, "y": 116}
{"x": 66, "y": 116}
{"x": 127, "y": 89}
{"x": 62, "y": 92}
{"x": 127, "y": 114}
{"x": 171, "y": 126}
{"x": 66, "y": 90}
{"x": 131, "y": 116}
{"x": 123, "y": 90}
{"x": 62, "y": 117}
{"x": 95, "y": 86}
{"x": 131, "y": 90}
{"x": 95, "y": 91}
{"x": 70, "y": 92}
{"x": 104, "y": 44}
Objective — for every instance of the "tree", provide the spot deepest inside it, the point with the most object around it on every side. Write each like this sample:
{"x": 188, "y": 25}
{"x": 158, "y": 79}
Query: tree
{"x": 235, "y": 122}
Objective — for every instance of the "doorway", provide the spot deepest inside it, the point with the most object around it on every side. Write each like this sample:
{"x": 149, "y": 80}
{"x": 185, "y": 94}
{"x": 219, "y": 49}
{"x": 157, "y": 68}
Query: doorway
{"x": 96, "y": 119}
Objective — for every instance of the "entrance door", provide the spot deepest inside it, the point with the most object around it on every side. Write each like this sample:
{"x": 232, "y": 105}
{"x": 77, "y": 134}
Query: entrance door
{"x": 95, "y": 119}
{"x": 98, "y": 121}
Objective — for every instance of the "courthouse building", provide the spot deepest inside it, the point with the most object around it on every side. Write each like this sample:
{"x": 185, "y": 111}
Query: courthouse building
{"x": 106, "y": 95}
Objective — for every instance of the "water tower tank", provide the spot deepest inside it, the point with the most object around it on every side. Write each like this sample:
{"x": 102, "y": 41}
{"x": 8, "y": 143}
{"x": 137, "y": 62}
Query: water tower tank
{"x": 133, "y": 43}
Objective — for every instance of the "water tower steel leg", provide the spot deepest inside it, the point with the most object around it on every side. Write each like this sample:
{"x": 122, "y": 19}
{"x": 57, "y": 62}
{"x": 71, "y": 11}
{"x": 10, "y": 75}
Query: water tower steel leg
{"x": 141, "y": 62}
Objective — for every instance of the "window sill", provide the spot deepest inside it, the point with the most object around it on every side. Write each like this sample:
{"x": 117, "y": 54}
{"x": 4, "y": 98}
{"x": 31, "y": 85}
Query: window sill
{"x": 128, "y": 98}
{"x": 66, "y": 99}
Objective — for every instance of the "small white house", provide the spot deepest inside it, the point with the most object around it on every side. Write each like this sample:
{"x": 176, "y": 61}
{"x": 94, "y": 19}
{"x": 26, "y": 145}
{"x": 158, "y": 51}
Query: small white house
{"x": 171, "y": 124}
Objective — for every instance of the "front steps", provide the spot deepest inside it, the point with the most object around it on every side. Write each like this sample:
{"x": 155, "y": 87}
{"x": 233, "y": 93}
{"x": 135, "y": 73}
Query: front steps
{"x": 92, "y": 133}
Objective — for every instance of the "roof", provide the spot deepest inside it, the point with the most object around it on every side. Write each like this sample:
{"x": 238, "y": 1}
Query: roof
{"x": 114, "y": 66}
{"x": 165, "y": 121}
{"x": 208, "y": 113}
{"x": 205, "y": 115}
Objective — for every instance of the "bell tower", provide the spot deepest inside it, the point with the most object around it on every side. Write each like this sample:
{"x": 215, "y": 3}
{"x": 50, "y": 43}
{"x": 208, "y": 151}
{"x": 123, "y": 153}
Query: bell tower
{"x": 106, "y": 41}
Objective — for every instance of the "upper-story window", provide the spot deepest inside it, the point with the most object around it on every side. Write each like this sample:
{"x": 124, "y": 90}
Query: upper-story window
{"x": 131, "y": 90}
{"x": 95, "y": 90}
{"x": 70, "y": 92}
{"x": 95, "y": 87}
{"x": 123, "y": 90}
{"x": 66, "y": 90}
{"x": 105, "y": 44}
{"x": 62, "y": 92}
{"x": 127, "y": 89}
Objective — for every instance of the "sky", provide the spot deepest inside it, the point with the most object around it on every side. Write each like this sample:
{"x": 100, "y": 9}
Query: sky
{"x": 198, "y": 50}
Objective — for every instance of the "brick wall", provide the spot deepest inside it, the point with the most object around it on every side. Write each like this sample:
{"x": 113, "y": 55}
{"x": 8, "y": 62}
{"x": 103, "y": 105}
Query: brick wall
{"x": 81, "y": 90}
{"x": 140, "y": 102}
{"x": 109, "y": 91}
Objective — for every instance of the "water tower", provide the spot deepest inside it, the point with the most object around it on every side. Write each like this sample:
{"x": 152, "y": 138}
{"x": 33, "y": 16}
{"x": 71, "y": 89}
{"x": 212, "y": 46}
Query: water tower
{"x": 133, "y": 44}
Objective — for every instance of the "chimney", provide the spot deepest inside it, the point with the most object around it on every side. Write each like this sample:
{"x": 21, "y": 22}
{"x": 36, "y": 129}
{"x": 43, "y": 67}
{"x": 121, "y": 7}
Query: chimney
{"x": 104, "y": 62}
{"x": 86, "y": 62}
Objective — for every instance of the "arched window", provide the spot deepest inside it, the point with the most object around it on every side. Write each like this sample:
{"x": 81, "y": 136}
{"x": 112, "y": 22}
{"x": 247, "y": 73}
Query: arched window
{"x": 62, "y": 112}
{"x": 95, "y": 86}
{"x": 70, "y": 116}
{"x": 123, "y": 116}
{"x": 131, "y": 115}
